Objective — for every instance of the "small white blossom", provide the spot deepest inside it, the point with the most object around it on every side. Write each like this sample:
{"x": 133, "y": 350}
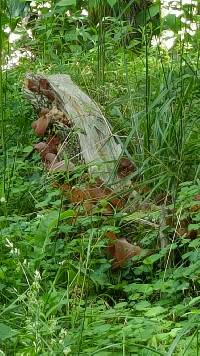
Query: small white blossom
{"x": 9, "y": 243}
{"x": 13, "y": 37}
{"x": 61, "y": 263}
{"x": 84, "y": 12}
{"x": 13, "y": 250}
{"x": 67, "y": 351}
{"x": 193, "y": 26}
{"x": 37, "y": 275}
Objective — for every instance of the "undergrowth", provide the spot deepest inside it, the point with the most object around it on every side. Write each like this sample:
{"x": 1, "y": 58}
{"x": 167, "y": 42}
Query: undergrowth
{"x": 58, "y": 292}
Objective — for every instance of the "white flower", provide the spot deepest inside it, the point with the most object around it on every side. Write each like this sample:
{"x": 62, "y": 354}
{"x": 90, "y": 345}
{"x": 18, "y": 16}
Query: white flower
{"x": 9, "y": 244}
{"x": 84, "y": 12}
{"x": 13, "y": 250}
{"x": 13, "y": 37}
{"x": 67, "y": 350}
{"x": 37, "y": 275}
{"x": 193, "y": 26}
{"x": 61, "y": 263}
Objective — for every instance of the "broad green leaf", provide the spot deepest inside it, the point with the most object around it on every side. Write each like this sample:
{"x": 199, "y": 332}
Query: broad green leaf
{"x": 142, "y": 305}
{"x": 47, "y": 222}
{"x": 155, "y": 311}
{"x": 195, "y": 243}
{"x": 60, "y": 217}
{"x": 75, "y": 48}
{"x": 71, "y": 36}
{"x": 67, "y": 214}
{"x": 17, "y": 8}
{"x": 151, "y": 259}
{"x": 4, "y": 19}
{"x": 153, "y": 215}
{"x": 194, "y": 301}
{"x": 172, "y": 22}
{"x": 141, "y": 288}
{"x": 192, "y": 227}
{"x": 66, "y": 3}
{"x": 6, "y": 332}
{"x": 27, "y": 149}
{"x": 151, "y": 12}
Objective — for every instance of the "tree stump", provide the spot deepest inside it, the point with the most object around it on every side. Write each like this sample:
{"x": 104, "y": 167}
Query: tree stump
{"x": 84, "y": 134}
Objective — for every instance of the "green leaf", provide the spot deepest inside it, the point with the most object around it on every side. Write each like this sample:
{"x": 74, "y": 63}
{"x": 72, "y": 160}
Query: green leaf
{"x": 151, "y": 259}
{"x": 155, "y": 311}
{"x": 195, "y": 243}
{"x": 172, "y": 22}
{"x": 194, "y": 301}
{"x": 48, "y": 221}
{"x": 111, "y": 2}
{"x": 71, "y": 36}
{"x": 27, "y": 149}
{"x": 141, "y": 288}
{"x": 66, "y": 3}
{"x": 192, "y": 227}
{"x": 151, "y": 12}
{"x": 75, "y": 48}
{"x": 17, "y": 8}
{"x": 67, "y": 214}
{"x": 142, "y": 305}
{"x": 6, "y": 332}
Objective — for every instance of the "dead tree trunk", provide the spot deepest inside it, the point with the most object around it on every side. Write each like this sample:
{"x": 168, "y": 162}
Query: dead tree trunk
{"x": 83, "y": 134}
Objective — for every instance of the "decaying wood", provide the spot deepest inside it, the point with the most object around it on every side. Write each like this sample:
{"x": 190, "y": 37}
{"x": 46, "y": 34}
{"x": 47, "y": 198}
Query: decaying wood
{"x": 79, "y": 116}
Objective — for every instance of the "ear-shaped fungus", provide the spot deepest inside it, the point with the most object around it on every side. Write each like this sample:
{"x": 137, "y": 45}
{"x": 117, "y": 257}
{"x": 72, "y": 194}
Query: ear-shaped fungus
{"x": 40, "y": 125}
{"x": 120, "y": 250}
